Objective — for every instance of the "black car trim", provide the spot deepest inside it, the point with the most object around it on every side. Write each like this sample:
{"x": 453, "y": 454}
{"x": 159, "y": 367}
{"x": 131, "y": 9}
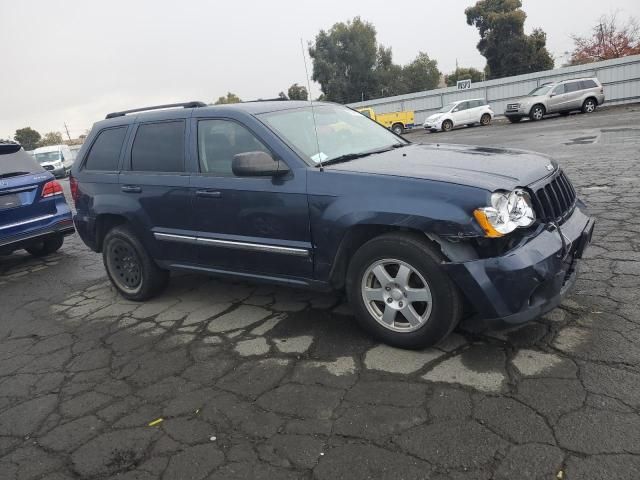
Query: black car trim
{"x": 258, "y": 247}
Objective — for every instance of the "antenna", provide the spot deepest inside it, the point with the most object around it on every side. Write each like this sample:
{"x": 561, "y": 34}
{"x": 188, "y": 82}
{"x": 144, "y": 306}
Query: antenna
{"x": 313, "y": 112}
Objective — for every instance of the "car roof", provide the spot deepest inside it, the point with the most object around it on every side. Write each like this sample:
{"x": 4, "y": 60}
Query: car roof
{"x": 251, "y": 108}
{"x": 50, "y": 148}
{"x": 468, "y": 100}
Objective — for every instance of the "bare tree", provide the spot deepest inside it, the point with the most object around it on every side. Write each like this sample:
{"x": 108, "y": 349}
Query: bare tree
{"x": 610, "y": 38}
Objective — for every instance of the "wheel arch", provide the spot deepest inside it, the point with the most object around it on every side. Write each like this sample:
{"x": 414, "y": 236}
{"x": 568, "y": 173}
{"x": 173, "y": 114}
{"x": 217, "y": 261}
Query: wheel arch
{"x": 105, "y": 222}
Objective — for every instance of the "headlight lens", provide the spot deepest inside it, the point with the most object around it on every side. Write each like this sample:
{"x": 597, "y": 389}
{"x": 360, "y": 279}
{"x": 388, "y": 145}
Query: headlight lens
{"x": 508, "y": 211}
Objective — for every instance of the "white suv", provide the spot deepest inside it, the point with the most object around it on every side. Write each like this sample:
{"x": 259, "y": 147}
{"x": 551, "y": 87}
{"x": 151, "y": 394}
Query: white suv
{"x": 462, "y": 112}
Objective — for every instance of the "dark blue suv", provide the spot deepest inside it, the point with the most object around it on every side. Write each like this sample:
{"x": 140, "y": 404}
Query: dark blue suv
{"x": 33, "y": 212}
{"x": 320, "y": 196}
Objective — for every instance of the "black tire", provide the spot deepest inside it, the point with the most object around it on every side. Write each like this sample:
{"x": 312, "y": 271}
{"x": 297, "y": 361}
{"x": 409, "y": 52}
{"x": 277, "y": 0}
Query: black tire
{"x": 485, "y": 119}
{"x": 46, "y": 247}
{"x": 129, "y": 267}
{"x": 514, "y": 119}
{"x": 537, "y": 112}
{"x": 397, "y": 128}
{"x": 447, "y": 126}
{"x": 589, "y": 105}
{"x": 446, "y": 304}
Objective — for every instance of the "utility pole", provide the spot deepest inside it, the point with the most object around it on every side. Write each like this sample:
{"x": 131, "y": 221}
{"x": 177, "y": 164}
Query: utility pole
{"x": 67, "y": 129}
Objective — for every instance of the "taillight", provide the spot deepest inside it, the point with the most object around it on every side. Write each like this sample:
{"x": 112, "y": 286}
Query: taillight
{"x": 73, "y": 184}
{"x": 51, "y": 189}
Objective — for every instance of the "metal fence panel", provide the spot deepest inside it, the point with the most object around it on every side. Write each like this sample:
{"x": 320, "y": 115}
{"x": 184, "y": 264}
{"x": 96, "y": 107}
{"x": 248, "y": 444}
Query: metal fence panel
{"x": 620, "y": 78}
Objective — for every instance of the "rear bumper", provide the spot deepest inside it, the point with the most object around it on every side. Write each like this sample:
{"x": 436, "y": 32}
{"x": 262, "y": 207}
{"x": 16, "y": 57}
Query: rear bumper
{"x": 55, "y": 225}
{"x": 528, "y": 281}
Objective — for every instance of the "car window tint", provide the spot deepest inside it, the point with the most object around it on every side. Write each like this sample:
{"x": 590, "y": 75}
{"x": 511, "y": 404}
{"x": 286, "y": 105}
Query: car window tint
{"x": 462, "y": 106}
{"x": 558, "y": 90}
{"x": 159, "y": 147}
{"x": 584, "y": 84}
{"x": 219, "y": 141}
{"x": 105, "y": 152}
{"x": 571, "y": 87}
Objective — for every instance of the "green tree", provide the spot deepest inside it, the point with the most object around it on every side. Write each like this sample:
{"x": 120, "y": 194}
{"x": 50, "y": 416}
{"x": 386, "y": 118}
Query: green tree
{"x": 229, "y": 98}
{"x": 421, "y": 74}
{"x": 27, "y": 137}
{"x": 298, "y": 92}
{"x": 508, "y": 50}
{"x": 463, "y": 74}
{"x": 344, "y": 60}
{"x": 51, "y": 138}
{"x": 389, "y": 79}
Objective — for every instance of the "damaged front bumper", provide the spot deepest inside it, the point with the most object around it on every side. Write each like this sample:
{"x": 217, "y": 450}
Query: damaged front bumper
{"x": 529, "y": 280}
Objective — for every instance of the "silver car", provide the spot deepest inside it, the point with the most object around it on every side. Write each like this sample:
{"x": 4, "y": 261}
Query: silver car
{"x": 583, "y": 94}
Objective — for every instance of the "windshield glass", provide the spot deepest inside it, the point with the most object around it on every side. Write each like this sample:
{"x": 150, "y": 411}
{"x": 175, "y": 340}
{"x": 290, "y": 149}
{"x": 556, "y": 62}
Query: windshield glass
{"x": 446, "y": 108}
{"x": 542, "y": 90}
{"x": 341, "y": 131}
{"x": 47, "y": 157}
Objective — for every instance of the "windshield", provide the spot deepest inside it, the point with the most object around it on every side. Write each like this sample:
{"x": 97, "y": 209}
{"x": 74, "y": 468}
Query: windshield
{"x": 542, "y": 90}
{"x": 47, "y": 157}
{"x": 446, "y": 108}
{"x": 341, "y": 131}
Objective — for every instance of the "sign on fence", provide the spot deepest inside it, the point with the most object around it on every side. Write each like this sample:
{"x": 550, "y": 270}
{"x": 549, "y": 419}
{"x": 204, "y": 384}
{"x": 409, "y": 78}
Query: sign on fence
{"x": 464, "y": 84}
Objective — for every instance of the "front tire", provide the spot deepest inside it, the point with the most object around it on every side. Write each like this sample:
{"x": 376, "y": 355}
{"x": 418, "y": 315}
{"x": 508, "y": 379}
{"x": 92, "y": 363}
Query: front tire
{"x": 129, "y": 267}
{"x": 485, "y": 119}
{"x": 397, "y": 128}
{"x": 400, "y": 293}
{"x": 537, "y": 112}
{"x": 46, "y": 247}
{"x": 447, "y": 126}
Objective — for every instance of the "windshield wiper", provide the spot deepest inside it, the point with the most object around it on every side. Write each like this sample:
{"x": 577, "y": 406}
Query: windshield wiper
{"x": 352, "y": 156}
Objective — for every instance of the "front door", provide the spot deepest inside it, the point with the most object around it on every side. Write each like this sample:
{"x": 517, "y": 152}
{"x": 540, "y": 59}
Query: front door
{"x": 253, "y": 225}
{"x": 460, "y": 114}
{"x": 557, "y": 99}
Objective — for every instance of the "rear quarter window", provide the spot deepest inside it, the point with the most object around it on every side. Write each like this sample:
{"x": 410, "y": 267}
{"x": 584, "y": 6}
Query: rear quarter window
{"x": 159, "y": 147}
{"x": 585, "y": 84}
{"x": 105, "y": 151}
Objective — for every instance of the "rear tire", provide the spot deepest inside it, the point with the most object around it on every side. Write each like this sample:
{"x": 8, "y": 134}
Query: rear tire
{"x": 414, "y": 309}
{"x": 46, "y": 247}
{"x": 447, "y": 126}
{"x": 129, "y": 267}
{"x": 397, "y": 128}
{"x": 514, "y": 119}
{"x": 589, "y": 105}
{"x": 485, "y": 119}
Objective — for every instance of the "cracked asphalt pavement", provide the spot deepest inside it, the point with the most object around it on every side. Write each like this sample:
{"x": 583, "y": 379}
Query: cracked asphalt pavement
{"x": 231, "y": 380}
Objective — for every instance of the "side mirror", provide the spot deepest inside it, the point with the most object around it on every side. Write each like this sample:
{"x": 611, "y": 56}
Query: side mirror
{"x": 552, "y": 95}
{"x": 257, "y": 164}
{"x": 455, "y": 110}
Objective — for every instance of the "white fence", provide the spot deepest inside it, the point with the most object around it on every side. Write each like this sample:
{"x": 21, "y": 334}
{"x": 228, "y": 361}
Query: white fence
{"x": 620, "y": 78}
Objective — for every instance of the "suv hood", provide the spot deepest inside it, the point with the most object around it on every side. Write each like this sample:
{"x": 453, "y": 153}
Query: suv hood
{"x": 483, "y": 167}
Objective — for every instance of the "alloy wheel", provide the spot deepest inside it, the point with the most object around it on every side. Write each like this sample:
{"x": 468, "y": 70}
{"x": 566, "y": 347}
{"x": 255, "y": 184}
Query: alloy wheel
{"x": 396, "y": 295}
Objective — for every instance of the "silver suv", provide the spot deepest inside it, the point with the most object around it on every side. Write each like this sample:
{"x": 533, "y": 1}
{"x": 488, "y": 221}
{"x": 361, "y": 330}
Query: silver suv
{"x": 583, "y": 94}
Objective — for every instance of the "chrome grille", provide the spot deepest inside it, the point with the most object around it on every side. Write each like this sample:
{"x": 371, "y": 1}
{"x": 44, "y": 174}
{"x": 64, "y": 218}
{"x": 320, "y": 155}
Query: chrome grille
{"x": 554, "y": 200}
{"x": 513, "y": 106}
{"x": 48, "y": 167}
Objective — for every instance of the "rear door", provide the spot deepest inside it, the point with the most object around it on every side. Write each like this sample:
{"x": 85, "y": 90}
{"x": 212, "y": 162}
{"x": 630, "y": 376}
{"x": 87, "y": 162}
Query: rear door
{"x": 573, "y": 93}
{"x": 155, "y": 179}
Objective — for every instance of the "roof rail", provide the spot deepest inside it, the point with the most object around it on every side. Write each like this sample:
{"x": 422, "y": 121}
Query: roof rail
{"x": 277, "y": 99}
{"x": 157, "y": 107}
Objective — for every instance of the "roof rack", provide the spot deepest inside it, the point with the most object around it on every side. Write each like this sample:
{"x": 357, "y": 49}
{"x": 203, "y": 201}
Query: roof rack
{"x": 157, "y": 107}
{"x": 277, "y": 99}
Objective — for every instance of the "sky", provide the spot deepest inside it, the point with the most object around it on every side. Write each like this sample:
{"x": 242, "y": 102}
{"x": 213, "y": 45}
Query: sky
{"x": 73, "y": 61}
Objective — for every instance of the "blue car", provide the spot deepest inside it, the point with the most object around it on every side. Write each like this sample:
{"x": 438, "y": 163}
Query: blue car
{"x": 33, "y": 212}
{"x": 319, "y": 196}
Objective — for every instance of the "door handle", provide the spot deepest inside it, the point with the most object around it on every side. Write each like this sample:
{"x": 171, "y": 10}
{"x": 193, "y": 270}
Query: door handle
{"x": 209, "y": 193}
{"x": 131, "y": 188}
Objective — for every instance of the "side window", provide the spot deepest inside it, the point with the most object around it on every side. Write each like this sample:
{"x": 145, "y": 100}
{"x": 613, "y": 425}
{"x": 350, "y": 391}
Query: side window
{"x": 461, "y": 106}
{"x": 219, "y": 141}
{"x": 105, "y": 152}
{"x": 366, "y": 113}
{"x": 159, "y": 147}
{"x": 584, "y": 84}
{"x": 572, "y": 87}
{"x": 558, "y": 90}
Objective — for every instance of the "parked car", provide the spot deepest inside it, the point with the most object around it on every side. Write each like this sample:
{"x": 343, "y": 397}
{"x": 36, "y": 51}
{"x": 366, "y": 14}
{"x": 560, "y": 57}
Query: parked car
{"x": 583, "y": 94}
{"x": 55, "y": 158}
{"x": 462, "y": 112}
{"x": 33, "y": 212}
{"x": 397, "y": 122}
{"x": 415, "y": 234}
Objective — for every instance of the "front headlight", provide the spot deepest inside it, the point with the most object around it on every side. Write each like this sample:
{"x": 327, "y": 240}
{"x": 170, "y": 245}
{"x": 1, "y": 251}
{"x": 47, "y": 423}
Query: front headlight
{"x": 508, "y": 211}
